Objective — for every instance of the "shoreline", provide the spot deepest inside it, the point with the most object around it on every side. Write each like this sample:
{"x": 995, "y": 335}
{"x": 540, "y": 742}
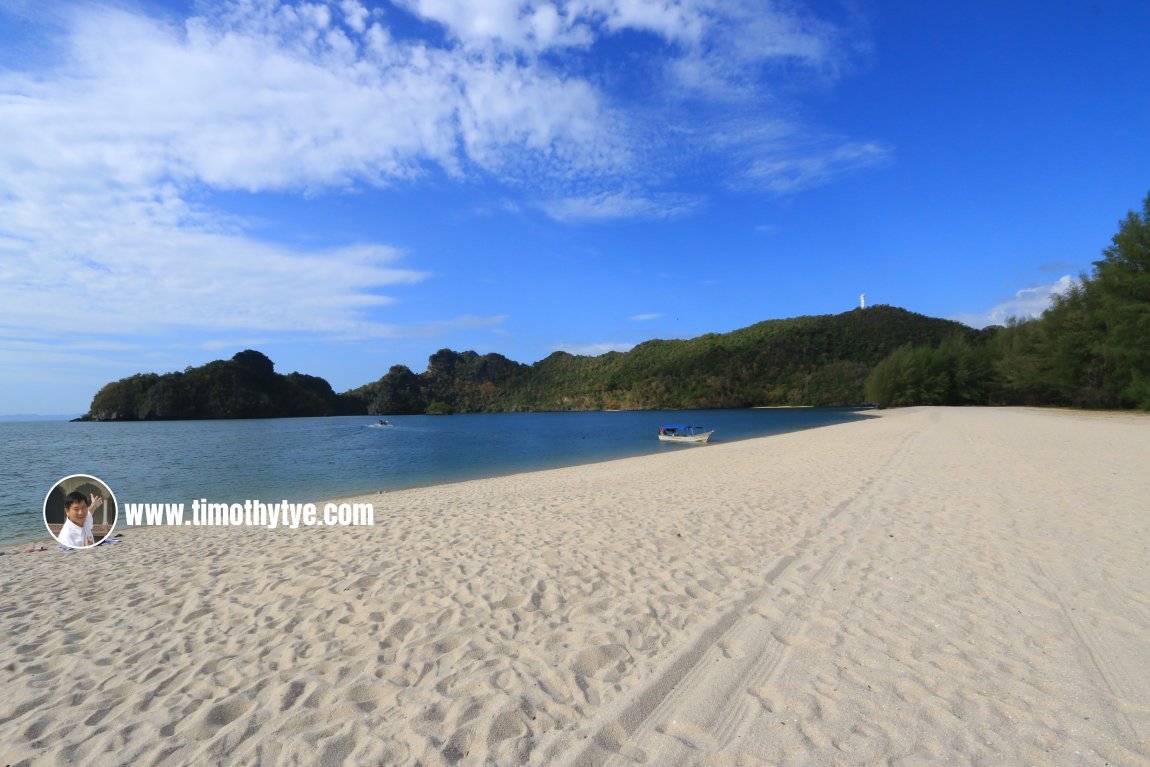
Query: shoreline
{"x": 922, "y": 586}
{"x": 35, "y": 538}
{"x": 18, "y": 546}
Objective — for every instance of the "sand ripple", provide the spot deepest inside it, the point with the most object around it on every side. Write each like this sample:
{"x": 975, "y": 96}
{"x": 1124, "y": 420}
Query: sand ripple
{"x": 932, "y": 587}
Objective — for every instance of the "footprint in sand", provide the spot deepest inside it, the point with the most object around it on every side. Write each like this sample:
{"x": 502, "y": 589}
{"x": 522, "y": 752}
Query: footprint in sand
{"x": 765, "y": 699}
{"x": 768, "y": 613}
{"x": 688, "y": 734}
{"x": 732, "y": 649}
{"x": 218, "y": 716}
{"x": 614, "y": 738}
{"x": 790, "y": 640}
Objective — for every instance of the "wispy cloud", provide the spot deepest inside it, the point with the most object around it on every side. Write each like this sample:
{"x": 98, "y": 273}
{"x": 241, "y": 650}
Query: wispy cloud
{"x": 104, "y": 156}
{"x": 794, "y": 166}
{"x": 710, "y": 43}
{"x": 136, "y": 270}
{"x": 608, "y": 206}
{"x": 645, "y": 317}
{"x": 1026, "y": 303}
{"x": 110, "y": 153}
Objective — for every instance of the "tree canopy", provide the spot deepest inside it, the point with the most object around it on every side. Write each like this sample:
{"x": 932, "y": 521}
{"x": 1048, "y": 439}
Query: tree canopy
{"x": 821, "y": 360}
{"x": 1090, "y": 348}
{"x": 246, "y": 386}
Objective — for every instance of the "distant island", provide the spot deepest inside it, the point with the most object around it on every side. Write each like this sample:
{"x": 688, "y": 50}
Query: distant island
{"x": 246, "y": 386}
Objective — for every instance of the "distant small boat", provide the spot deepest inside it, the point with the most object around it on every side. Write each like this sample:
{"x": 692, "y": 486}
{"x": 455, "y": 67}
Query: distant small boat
{"x": 684, "y": 434}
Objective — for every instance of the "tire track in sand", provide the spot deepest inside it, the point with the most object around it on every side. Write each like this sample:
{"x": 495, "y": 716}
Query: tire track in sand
{"x": 702, "y": 699}
{"x": 1123, "y": 676}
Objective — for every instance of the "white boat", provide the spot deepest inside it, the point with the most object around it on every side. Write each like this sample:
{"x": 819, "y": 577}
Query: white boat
{"x": 684, "y": 434}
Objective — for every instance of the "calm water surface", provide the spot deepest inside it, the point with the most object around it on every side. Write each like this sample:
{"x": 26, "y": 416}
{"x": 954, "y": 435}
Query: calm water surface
{"x": 309, "y": 459}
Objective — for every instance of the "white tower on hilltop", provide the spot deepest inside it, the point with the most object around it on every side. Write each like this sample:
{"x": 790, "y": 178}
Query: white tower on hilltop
{"x": 862, "y": 300}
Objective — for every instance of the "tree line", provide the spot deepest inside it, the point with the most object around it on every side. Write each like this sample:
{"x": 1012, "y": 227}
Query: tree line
{"x": 1090, "y": 348}
{"x": 820, "y": 360}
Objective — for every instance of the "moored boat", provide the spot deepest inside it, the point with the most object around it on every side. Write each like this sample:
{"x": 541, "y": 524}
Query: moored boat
{"x": 684, "y": 434}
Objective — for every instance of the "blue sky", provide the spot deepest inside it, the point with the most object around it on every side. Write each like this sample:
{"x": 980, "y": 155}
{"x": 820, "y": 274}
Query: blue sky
{"x": 350, "y": 185}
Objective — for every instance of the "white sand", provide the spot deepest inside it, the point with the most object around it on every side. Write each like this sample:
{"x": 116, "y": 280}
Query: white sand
{"x": 931, "y": 587}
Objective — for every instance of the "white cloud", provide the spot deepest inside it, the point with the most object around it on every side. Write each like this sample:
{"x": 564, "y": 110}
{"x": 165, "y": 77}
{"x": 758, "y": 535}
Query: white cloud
{"x": 528, "y": 124}
{"x": 722, "y": 55}
{"x": 790, "y": 167}
{"x": 105, "y": 154}
{"x": 645, "y": 317}
{"x": 533, "y": 26}
{"x": 1026, "y": 303}
{"x": 102, "y": 158}
{"x": 737, "y": 40}
{"x": 269, "y": 97}
{"x": 144, "y": 266}
{"x": 716, "y": 34}
{"x": 356, "y": 15}
{"x": 261, "y": 95}
{"x": 619, "y": 205}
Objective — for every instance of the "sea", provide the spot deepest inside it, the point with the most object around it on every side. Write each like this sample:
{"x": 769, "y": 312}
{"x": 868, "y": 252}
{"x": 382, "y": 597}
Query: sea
{"x": 303, "y": 460}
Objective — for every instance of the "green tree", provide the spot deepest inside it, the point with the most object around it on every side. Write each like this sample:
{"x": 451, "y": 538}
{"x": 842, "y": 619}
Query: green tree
{"x": 1072, "y": 333}
{"x": 1122, "y": 281}
{"x": 123, "y": 400}
{"x": 884, "y": 385}
{"x": 1020, "y": 362}
{"x": 397, "y": 393}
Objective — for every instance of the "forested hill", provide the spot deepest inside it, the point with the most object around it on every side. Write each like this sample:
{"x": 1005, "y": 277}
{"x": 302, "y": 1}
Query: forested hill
{"x": 246, "y": 386}
{"x": 1091, "y": 348}
{"x": 821, "y": 360}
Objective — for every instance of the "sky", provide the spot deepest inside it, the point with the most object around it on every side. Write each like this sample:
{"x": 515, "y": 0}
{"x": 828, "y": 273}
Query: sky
{"x": 350, "y": 185}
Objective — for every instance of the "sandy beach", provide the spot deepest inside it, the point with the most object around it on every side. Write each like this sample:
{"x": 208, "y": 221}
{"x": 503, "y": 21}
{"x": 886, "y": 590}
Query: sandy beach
{"x": 927, "y": 587}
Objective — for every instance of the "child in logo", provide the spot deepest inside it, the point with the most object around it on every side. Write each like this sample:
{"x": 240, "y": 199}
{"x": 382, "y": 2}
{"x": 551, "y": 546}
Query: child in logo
{"x": 77, "y": 530}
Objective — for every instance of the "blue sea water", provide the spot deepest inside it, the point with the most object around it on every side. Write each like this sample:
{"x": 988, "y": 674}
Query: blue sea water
{"x": 310, "y": 459}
